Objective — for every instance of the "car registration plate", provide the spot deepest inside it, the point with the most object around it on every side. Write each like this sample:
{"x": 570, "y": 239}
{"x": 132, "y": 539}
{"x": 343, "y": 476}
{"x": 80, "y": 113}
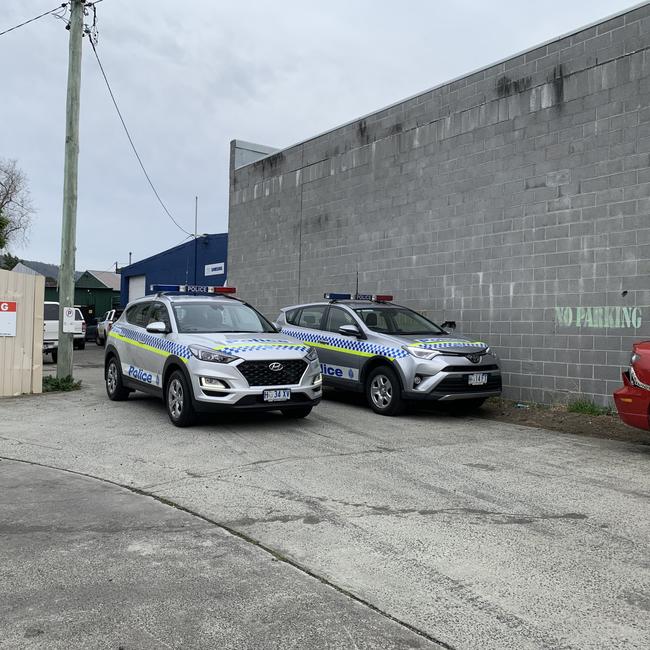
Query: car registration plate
{"x": 478, "y": 379}
{"x": 278, "y": 395}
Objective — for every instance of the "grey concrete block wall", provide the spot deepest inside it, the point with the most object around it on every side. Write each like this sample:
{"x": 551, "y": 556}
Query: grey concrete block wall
{"x": 515, "y": 201}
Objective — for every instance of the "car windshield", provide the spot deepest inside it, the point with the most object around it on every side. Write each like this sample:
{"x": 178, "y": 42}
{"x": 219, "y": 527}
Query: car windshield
{"x": 397, "y": 320}
{"x": 207, "y": 317}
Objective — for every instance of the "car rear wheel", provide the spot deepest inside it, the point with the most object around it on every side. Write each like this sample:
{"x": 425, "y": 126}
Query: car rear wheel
{"x": 383, "y": 391}
{"x": 98, "y": 339}
{"x": 115, "y": 389}
{"x": 179, "y": 401}
{"x": 296, "y": 412}
{"x": 55, "y": 356}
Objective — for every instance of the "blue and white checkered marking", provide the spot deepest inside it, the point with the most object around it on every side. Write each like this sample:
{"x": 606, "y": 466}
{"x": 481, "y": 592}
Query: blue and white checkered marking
{"x": 437, "y": 344}
{"x": 347, "y": 344}
{"x": 164, "y": 345}
{"x": 241, "y": 346}
{"x": 261, "y": 348}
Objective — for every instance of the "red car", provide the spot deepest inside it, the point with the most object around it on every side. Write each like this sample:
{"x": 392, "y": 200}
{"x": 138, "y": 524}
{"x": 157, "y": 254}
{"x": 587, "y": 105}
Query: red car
{"x": 633, "y": 400}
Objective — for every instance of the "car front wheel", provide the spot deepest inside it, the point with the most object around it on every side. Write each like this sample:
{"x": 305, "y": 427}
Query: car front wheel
{"x": 383, "y": 391}
{"x": 179, "y": 401}
{"x": 115, "y": 389}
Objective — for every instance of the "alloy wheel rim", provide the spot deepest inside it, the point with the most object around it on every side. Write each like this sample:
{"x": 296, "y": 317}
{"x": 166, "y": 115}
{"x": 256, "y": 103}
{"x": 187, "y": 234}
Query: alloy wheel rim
{"x": 112, "y": 377}
{"x": 381, "y": 391}
{"x": 175, "y": 398}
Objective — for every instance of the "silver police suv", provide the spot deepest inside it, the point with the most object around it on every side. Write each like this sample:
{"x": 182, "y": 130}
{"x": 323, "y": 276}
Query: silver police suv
{"x": 206, "y": 352}
{"x": 392, "y": 353}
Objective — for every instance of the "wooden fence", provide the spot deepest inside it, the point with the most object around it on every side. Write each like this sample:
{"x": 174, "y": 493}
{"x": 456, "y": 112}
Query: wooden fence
{"x": 21, "y": 356}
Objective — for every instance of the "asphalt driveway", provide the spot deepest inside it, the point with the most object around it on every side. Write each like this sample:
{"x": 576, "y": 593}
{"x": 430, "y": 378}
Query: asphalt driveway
{"x": 479, "y": 534}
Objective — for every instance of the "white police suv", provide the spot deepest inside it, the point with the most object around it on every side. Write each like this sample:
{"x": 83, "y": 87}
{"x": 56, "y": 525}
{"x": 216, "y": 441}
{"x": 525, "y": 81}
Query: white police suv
{"x": 392, "y": 353}
{"x": 202, "y": 349}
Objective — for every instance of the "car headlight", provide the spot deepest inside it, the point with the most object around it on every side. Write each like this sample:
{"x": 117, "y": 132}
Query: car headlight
{"x": 422, "y": 353}
{"x": 206, "y": 354}
{"x": 312, "y": 355}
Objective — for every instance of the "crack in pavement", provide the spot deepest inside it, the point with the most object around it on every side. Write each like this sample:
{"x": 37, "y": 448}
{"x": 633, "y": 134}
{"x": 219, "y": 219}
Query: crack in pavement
{"x": 32, "y": 444}
{"x": 271, "y": 461}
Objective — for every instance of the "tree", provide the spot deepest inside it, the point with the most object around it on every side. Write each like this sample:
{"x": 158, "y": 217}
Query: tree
{"x": 15, "y": 204}
{"x": 9, "y": 261}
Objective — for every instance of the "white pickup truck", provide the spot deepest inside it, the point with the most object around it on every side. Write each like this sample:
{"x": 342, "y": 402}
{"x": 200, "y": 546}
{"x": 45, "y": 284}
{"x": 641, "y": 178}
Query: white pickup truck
{"x": 104, "y": 325}
{"x": 51, "y": 330}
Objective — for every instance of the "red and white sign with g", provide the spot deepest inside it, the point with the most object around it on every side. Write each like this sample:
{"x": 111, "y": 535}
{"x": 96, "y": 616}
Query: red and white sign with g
{"x": 7, "y": 318}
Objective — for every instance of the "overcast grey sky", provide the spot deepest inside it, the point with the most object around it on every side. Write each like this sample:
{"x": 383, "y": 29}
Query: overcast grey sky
{"x": 191, "y": 76}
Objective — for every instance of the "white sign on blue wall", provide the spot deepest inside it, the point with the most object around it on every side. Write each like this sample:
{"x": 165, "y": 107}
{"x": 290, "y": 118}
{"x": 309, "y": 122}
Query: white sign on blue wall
{"x": 215, "y": 269}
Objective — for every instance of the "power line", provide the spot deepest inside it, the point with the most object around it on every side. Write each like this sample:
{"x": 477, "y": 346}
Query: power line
{"x": 128, "y": 135}
{"x": 31, "y": 20}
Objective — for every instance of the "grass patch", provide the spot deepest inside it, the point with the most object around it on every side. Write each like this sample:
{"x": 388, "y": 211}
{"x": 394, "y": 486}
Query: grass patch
{"x": 52, "y": 384}
{"x": 586, "y": 407}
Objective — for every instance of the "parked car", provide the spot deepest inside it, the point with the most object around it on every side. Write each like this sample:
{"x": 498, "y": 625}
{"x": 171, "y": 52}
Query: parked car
{"x": 51, "y": 329}
{"x": 91, "y": 329}
{"x": 392, "y": 353}
{"x": 633, "y": 399}
{"x": 104, "y": 325}
{"x": 208, "y": 353}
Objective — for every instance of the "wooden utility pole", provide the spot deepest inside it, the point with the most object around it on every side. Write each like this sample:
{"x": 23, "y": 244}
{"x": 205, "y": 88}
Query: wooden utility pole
{"x": 68, "y": 232}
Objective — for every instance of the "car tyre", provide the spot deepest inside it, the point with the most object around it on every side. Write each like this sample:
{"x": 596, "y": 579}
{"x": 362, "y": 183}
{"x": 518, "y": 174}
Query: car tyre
{"x": 296, "y": 412}
{"x": 178, "y": 400}
{"x": 98, "y": 339}
{"x": 82, "y": 345}
{"x": 383, "y": 391}
{"x": 115, "y": 389}
{"x": 55, "y": 356}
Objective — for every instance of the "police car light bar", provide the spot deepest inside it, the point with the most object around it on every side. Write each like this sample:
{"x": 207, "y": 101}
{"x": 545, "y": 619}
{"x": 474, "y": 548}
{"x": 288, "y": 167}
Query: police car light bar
{"x": 337, "y": 296}
{"x": 190, "y": 288}
{"x": 374, "y": 297}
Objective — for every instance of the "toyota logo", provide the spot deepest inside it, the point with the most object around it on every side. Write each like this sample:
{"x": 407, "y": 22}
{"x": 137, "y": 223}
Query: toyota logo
{"x": 474, "y": 358}
{"x": 275, "y": 366}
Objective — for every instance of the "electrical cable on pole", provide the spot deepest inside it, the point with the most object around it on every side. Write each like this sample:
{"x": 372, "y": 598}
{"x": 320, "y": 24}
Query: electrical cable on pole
{"x": 128, "y": 135}
{"x": 31, "y": 20}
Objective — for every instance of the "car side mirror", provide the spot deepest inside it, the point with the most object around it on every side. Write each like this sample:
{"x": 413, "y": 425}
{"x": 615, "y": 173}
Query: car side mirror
{"x": 349, "y": 330}
{"x": 157, "y": 327}
{"x": 449, "y": 325}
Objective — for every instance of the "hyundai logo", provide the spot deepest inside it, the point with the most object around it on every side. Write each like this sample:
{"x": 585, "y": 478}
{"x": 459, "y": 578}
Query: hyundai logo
{"x": 474, "y": 358}
{"x": 275, "y": 366}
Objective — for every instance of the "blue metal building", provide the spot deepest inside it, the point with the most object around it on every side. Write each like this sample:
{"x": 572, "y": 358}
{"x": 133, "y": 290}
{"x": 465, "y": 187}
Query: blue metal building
{"x": 200, "y": 261}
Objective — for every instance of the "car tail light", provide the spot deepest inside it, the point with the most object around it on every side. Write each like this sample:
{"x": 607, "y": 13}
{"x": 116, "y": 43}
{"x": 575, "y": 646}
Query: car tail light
{"x": 83, "y": 327}
{"x": 110, "y": 327}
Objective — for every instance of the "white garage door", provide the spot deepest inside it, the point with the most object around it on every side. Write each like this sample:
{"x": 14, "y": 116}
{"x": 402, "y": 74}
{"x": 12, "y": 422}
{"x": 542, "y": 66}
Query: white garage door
{"x": 137, "y": 284}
